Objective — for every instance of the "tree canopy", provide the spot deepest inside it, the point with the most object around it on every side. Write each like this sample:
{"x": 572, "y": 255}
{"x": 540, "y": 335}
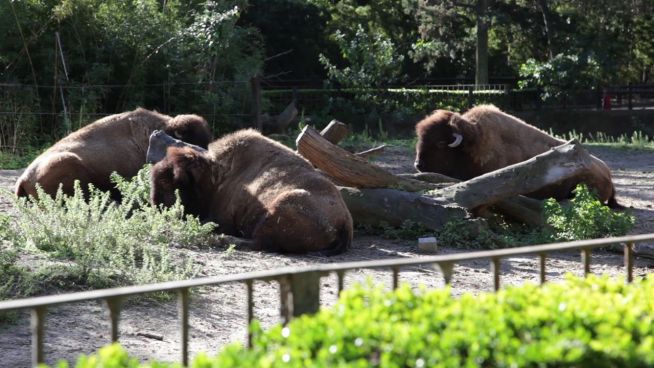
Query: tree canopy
{"x": 133, "y": 52}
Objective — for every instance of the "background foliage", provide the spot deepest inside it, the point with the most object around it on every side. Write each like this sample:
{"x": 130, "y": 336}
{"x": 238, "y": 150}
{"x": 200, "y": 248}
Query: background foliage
{"x": 198, "y": 56}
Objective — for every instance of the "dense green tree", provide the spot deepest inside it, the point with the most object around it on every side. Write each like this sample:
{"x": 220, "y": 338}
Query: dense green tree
{"x": 125, "y": 50}
{"x": 293, "y": 37}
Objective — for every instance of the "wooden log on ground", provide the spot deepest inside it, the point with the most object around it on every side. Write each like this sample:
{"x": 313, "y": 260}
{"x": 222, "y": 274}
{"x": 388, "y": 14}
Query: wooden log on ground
{"x": 393, "y": 207}
{"x": 519, "y": 208}
{"x": 562, "y": 162}
{"x": 335, "y": 131}
{"x": 348, "y": 169}
{"x": 429, "y": 177}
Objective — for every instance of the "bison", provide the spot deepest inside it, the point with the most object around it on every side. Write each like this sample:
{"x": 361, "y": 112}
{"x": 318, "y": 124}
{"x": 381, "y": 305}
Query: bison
{"x": 114, "y": 143}
{"x": 256, "y": 188}
{"x": 485, "y": 139}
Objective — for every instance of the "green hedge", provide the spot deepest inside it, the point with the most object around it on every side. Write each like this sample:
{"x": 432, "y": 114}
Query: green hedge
{"x": 594, "y": 322}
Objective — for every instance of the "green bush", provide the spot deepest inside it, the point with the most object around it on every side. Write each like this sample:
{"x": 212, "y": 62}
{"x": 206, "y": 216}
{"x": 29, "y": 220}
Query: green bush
{"x": 595, "y": 322}
{"x": 88, "y": 240}
{"x": 584, "y": 217}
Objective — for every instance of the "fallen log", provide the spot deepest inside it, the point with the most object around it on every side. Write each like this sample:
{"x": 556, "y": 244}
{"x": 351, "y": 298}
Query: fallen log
{"x": 519, "y": 208}
{"x": 560, "y": 163}
{"x": 394, "y": 207}
{"x": 349, "y": 170}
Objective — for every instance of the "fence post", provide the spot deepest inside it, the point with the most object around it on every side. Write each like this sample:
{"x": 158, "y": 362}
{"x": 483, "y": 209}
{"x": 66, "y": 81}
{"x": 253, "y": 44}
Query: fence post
{"x": 37, "y": 323}
{"x": 305, "y": 290}
{"x": 255, "y": 85}
{"x": 471, "y": 101}
{"x": 630, "y": 96}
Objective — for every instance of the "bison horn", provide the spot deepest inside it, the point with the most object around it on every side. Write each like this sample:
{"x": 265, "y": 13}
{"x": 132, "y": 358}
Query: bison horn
{"x": 177, "y": 135}
{"x": 457, "y": 140}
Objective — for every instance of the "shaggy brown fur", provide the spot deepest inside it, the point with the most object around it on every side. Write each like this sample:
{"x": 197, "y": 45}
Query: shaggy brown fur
{"x": 256, "y": 188}
{"x": 492, "y": 140}
{"x": 115, "y": 143}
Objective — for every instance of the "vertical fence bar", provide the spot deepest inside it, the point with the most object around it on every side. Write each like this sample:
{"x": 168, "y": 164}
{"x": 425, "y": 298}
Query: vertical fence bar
{"x": 629, "y": 261}
{"x": 495, "y": 268}
{"x": 396, "y": 276}
{"x": 182, "y": 310}
{"x": 285, "y": 304}
{"x": 250, "y": 301}
{"x": 37, "y": 326}
{"x": 542, "y": 258}
{"x": 447, "y": 269}
{"x": 340, "y": 275}
{"x": 113, "y": 305}
{"x": 585, "y": 258}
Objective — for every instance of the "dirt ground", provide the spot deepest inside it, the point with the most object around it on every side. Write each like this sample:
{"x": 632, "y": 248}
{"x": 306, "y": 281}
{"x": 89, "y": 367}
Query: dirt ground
{"x": 218, "y": 314}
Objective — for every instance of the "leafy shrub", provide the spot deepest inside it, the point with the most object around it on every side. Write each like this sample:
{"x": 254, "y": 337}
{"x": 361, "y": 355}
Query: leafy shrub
{"x": 593, "y": 322}
{"x": 585, "y": 218}
{"x": 93, "y": 241}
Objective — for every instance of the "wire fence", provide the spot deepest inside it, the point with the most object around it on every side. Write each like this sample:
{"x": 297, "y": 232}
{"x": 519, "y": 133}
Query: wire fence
{"x": 33, "y": 115}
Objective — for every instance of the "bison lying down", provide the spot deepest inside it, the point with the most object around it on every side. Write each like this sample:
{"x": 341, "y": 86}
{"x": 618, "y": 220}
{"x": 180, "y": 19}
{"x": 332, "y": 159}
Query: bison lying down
{"x": 255, "y": 188}
{"x": 485, "y": 139}
{"x": 114, "y": 143}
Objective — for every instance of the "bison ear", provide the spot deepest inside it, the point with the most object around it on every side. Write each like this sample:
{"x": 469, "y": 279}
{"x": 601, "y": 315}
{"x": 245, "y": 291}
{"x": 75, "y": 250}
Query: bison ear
{"x": 464, "y": 128}
{"x": 190, "y": 168}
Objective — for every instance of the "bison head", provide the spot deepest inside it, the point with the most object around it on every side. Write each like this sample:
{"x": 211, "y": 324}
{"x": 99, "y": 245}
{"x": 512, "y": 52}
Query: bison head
{"x": 442, "y": 138}
{"x": 183, "y": 169}
{"x": 191, "y": 129}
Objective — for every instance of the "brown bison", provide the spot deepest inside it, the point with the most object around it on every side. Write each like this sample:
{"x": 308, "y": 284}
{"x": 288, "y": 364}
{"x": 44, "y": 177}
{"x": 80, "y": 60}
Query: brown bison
{"x": 485, "y": 139}
{"x": 114, "y": 143}
{"x": 256, "y": 188}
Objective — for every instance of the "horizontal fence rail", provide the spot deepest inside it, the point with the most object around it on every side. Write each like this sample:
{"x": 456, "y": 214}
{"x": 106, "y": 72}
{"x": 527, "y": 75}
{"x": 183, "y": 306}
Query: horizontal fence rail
{"x": 300, "y": 286}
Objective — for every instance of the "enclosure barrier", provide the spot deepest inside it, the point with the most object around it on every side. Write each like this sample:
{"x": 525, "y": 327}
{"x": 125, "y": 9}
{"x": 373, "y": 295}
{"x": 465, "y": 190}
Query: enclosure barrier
{"x": 300, "y": 286}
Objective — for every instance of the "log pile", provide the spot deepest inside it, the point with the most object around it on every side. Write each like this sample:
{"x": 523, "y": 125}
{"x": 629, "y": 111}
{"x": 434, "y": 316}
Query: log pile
{"x": 375, "y": 196}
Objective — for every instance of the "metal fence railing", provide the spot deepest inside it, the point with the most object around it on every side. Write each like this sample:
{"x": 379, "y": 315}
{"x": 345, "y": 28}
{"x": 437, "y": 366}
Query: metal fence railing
{"x": 300, "y": 286}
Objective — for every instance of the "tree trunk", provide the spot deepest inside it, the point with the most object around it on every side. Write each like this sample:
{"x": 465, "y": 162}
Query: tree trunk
{"x": 394, "y": 207}
{"x": 335, "y": 131}
{"x": 545, "y": 11}
{"x": 481, "y": 67}
{"x": 348, "y": 169}
{"x": 562, "y": 162}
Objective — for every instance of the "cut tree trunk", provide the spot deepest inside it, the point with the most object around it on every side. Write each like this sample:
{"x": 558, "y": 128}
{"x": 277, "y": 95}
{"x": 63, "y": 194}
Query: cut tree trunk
{"x": 394, "y": 207}
{"x": 335, "y": 131}
{"x": 348, "y": 169}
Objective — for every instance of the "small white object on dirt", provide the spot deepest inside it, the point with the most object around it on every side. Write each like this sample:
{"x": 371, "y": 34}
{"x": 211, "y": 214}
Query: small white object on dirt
{"x": 427, "y": 244}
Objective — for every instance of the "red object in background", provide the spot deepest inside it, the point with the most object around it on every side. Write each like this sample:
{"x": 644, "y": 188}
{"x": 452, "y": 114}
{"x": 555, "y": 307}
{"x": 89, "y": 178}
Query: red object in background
{"x": 606, "y": 101}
